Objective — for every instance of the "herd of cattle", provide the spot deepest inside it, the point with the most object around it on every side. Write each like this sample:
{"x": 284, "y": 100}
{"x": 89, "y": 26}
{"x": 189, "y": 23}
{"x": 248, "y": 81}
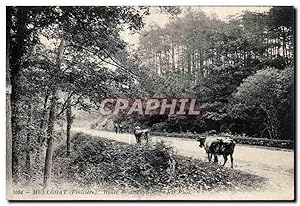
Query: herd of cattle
{"x": 213, "y": 145}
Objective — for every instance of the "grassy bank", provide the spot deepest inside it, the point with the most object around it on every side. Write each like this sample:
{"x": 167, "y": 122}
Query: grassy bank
{"x": 96, "y": 161}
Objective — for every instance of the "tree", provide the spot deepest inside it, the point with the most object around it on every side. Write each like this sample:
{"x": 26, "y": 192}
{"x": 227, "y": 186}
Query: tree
{"x": 199, "y": 55}
{"x": 52, "y": 117}
{"x": 23, "y": 23}
{"x": 268, "y": 91}
{"x": 91, "y": 31}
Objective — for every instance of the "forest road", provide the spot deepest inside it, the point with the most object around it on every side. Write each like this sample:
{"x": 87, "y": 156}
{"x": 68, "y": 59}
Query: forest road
{"x": 277, "y": 165}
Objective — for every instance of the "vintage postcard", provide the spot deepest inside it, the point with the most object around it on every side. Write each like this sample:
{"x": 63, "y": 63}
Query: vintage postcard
{"x": 150, "y": 103}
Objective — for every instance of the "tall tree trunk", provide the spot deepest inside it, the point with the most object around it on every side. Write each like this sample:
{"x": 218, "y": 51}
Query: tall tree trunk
{"x": 201, "y": 59}
{"x": 51, "y": 121}
{"x": 156, "y": 63}
{"x": 17, "y": 50}
{"x": 179, "y": 60}
{"x": 194, "y": 59}
{"x": 44, "y": 112}
{"x": 173, "y": 56}
{"x": 189, "y": 67}
{"x": 160, "y": 64}
{"x": 69, "y": 125}
{"x": 50, "y": 135}
{"x": 28, "y": 147}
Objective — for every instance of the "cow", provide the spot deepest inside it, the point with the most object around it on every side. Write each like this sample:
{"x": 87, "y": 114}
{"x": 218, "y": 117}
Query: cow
{"x": 218, "y": 146}
{"x": 139, "y": 133}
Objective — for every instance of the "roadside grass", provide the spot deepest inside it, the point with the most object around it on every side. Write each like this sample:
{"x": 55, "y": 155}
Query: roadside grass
{"x": 156, "y": 167}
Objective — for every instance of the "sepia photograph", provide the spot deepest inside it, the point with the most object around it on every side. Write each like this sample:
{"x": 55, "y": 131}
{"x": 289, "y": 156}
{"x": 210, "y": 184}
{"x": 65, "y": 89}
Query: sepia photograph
{"x": 150, "y": 103}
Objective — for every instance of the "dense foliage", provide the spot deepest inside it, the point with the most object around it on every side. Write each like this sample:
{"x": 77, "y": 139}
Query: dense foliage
{"x": 229, "y": 66}
{"x": 60, "y": 58}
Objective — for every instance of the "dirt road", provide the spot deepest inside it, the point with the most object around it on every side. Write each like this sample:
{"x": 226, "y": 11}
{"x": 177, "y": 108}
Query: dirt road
{"x": 277, "y": 165}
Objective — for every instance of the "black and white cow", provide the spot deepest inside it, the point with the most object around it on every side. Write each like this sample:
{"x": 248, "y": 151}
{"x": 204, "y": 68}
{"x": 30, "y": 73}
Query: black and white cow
{"x": 218, "y": 146}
